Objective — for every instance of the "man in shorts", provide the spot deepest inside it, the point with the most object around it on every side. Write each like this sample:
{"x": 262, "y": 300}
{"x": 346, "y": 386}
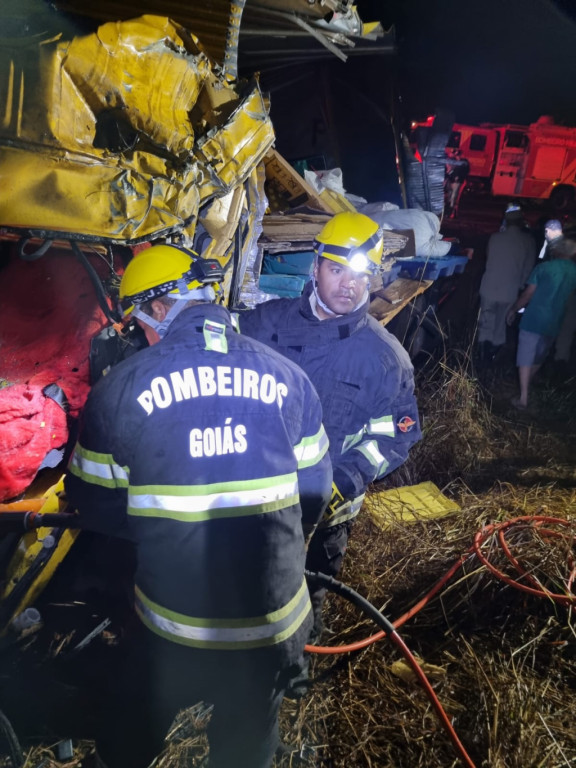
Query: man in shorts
{"x": 545, "y": 298}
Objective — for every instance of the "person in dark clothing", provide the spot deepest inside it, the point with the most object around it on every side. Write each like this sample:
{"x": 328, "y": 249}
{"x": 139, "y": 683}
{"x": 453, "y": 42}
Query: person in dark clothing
{"x": 207, "y": 451}
{"x": 511, "y": 255}
{"x": 361, "y": 372}
{"x": 457, "y": 171}
{"x": 553, "y": 238}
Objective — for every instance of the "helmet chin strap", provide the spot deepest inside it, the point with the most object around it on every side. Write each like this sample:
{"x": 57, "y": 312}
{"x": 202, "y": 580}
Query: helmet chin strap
{"x": 205, "y": 293}
{"x": 319, "y": 300}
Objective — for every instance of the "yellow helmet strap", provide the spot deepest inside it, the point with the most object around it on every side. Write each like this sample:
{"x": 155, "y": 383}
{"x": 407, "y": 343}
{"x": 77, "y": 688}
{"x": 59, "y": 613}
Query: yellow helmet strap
{"x": 319, "y": 300}
{"x": 160, "y": 326}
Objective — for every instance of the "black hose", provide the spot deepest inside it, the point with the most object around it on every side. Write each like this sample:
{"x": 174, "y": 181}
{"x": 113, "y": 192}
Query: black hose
{"x": 392, "y": 634}
{"x": 14, "y": 749}
{"x": 111, "y": 316}
{"x": 27, "y": 521}
{"x": 352, "y": 596}
{"x": 35, "y": 255}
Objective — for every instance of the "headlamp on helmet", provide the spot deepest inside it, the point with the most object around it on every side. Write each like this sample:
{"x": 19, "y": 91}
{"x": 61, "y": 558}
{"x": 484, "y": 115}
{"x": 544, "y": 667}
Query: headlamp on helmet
{"x": 358, "y": 262}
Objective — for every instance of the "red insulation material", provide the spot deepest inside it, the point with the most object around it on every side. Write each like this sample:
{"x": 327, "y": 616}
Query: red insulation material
{"x": 30, "y": 426}
{"x": 48, "y": 314}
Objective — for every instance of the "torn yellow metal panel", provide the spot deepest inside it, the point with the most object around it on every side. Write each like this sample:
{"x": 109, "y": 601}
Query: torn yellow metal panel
{"x": 229, "y": 154}
{"x": 37, "y": 556}
{"x": 149, "y": 68}
{"x": 220, "y": 219}
{"x": 53, "y": 91}
{"x": 113, "y": 136}
{"x": 65, "y": 193}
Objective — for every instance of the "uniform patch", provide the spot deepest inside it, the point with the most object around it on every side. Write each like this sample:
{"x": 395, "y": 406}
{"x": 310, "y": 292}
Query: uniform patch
{"x": 405, "y": 424}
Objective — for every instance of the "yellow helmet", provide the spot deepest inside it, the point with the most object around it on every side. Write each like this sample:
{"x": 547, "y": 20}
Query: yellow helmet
{"x": 352, "y": 239}
{"x": 167, "y": 270}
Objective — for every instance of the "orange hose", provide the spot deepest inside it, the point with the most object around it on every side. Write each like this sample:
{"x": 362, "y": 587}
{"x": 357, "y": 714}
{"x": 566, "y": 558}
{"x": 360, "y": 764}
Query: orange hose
{"x": 440, "y": 711}
{"x": 26, "y": 505}
{"x": 479, "y": 539}
{"x": 566, "y": 599}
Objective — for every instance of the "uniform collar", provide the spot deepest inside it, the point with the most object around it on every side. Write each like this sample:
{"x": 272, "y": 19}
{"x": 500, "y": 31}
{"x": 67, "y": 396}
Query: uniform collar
{"x": 192, "y": 318}
{"x": 317, "y": 331}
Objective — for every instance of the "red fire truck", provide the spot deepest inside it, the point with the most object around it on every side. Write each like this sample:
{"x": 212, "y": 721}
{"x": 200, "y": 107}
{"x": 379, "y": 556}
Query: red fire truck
{"x": 522, "y": 161}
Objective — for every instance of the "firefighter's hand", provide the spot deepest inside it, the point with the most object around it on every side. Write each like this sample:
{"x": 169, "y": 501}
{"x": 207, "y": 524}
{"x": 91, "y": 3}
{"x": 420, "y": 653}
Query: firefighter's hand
{"x": 336, "y": 501}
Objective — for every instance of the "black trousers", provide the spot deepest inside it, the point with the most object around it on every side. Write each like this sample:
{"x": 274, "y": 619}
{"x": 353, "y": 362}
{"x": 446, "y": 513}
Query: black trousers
{"x": 159, "y": 678}
{"x": 325, "y": 555}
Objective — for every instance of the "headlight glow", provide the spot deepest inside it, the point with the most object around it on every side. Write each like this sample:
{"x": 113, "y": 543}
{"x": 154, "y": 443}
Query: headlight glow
{"x": 358, "y": 262}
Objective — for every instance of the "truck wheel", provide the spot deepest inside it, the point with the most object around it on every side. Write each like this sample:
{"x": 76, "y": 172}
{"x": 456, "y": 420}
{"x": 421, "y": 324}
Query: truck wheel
{"x": 562, "y": 197}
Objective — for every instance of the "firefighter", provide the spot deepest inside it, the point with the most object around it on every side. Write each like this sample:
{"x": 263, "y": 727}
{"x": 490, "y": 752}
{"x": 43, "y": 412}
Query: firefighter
{"x": 361, "y": 372}
{"x": 207, "y": 451}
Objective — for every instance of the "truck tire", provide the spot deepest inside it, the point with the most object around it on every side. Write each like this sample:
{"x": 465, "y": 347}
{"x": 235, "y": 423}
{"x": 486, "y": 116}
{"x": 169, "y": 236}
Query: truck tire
{"x": 562, "y": 197}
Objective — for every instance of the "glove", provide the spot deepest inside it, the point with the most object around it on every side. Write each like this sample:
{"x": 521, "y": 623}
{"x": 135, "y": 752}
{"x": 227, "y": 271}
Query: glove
{"x": 336, "y": 501}
{"x": 334, "y": 505}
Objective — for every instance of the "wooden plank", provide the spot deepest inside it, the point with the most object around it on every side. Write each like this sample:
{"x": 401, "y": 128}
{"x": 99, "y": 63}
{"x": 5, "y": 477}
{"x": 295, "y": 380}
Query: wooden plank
{"x": 390, "y": 301}
{"x": 291, "y": 186}
{"x": 292, "y": 227}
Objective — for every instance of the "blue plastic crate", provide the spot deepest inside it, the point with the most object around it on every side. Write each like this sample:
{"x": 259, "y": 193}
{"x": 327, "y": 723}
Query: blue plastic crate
{"x": 422, "y": 268}
{"x": 292, "y": 263}
{"x": 289, "y": 286}
{"x": 390, "y": 275}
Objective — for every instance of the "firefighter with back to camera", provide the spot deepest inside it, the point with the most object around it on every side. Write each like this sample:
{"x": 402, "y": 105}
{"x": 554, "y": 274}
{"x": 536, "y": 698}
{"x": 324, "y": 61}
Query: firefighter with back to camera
{"x": 208, "y": 452}
{"x": 361, "y": 372}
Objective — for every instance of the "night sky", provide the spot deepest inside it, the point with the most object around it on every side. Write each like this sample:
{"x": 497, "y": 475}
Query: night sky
{"x": 487, "y": 61}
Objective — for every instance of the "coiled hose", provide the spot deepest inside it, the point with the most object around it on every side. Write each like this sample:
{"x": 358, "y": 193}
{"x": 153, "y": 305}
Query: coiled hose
{"x": 494, "y": 532}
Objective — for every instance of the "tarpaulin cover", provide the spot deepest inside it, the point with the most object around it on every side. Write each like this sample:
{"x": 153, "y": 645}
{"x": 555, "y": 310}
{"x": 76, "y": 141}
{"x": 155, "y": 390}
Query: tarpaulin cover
{"x": 425, "y": 174}
{"x": 48, "y": 314}
{"x": 424, "y": 224}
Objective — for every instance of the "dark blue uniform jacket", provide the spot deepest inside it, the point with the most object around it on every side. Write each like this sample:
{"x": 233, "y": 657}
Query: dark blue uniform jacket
{"x": 363, "y": 376}
{"x": 211, "y": 462}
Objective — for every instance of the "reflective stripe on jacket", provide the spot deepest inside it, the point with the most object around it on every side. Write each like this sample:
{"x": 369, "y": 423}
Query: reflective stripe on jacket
{"x": 346, "y": 511}
{"x": 226, "y": 634}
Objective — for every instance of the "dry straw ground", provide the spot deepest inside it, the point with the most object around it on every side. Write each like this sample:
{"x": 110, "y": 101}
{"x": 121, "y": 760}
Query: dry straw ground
{"x": 501, "y": 661}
